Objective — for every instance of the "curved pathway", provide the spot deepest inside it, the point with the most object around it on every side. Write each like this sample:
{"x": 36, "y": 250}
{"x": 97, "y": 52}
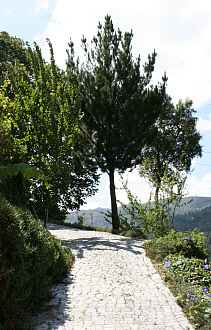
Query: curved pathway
{"x": 112, "y": 285}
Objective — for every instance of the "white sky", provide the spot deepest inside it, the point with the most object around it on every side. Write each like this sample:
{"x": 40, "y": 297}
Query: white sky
{"x": 179, "y": 31}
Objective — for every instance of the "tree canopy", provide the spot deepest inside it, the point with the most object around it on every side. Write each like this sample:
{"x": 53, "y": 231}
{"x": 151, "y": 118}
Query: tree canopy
{"x": 41, "y": 123}
{"x": 12, "y": 50}
{"x": 103, "y": 113}
{"x": 176, "y": 143}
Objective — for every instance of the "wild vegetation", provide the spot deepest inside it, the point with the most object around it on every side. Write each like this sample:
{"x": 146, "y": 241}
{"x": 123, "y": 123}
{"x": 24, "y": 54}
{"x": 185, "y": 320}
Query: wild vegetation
{"x": 182, "y": 259}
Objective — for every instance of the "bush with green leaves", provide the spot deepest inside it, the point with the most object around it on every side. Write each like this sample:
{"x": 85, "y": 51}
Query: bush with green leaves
{"x": 183, "y": 260}
{"x": 197, "y": 305}
{"x": 154, "y": 218}
{"x": 191, "y": 270}
{"x": 189, "y": 244}
{"x": 31, "y": 260}
{"x": 190, "y": 281}
{"x": 133, "y": 233}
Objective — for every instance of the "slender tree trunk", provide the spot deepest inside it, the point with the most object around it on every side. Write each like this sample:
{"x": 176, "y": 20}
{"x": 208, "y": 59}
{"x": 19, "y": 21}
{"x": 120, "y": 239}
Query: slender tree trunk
{"x": 115, "y": 217}
{"x": 46, "y": 218}
{"x": 156, "y": 206}
{"x": 157, "y": 196}
{"x": 35, "y": 213}
{"x": 158, "y": 212}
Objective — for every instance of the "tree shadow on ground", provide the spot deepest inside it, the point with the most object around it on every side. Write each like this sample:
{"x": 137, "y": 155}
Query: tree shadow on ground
{"x": 79, "y": 245}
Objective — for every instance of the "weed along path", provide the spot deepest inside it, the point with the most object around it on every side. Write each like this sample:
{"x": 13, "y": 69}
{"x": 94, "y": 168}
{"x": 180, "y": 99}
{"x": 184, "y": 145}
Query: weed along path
{"x": 112, "y": 285}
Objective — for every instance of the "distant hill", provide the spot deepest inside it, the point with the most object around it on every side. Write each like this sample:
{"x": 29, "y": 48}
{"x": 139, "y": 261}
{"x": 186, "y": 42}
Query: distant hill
{"x": 96, "y": 217}
{"x": 192, "y": 204}
{"x": 91, "y": 217}
{"x": 195, "y": 212}
{"x": 194, "y": 219}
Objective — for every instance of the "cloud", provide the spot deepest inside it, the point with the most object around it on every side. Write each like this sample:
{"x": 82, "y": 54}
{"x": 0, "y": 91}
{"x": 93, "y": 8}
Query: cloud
{"x": 90, "y": 206}
{"x": 204, "y": 125}
{"x": 196, "y": 187}
{"x": 103, "y": 196}
{"x": 140, "y": 188}
{"x": 41, "y": 5}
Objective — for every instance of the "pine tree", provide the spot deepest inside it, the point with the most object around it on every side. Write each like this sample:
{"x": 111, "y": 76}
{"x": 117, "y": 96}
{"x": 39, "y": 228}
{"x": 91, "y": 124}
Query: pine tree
{"x": 119, "y": 106}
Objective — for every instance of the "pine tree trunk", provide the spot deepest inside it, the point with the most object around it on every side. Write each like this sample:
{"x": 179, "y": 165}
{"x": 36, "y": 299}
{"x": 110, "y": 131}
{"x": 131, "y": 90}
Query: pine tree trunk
{"x": 115, "y": 217}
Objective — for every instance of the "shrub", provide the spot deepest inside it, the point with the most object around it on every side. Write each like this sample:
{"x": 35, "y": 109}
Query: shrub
{"x": 133, "y": 233}
{"x": 31, "y": 260}
{"x": 189, "y": 244}
{"x": 192, "y": 270}
{"x": 183, "y": 261}
{"x": 190, "y": 281}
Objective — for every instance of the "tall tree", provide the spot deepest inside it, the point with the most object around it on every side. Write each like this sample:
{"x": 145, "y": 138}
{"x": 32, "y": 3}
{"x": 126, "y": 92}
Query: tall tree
{"x": 177, "y": 142}
{"x": 43, "y": 118}
{"x": 119, "y": 108}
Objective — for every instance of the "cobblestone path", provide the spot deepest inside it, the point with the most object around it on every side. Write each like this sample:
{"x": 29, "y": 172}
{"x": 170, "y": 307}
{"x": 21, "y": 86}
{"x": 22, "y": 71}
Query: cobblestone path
{"x": 112, "y": 285}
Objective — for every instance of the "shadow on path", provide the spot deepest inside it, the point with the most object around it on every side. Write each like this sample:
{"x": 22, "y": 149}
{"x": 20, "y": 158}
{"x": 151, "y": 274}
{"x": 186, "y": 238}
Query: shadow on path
{"x": 79, "y": 245}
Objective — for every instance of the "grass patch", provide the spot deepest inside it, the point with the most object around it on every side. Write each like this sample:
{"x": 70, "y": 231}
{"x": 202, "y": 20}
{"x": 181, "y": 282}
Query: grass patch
{"x": 133, "y": 233}
{"x": 183, "y": 262}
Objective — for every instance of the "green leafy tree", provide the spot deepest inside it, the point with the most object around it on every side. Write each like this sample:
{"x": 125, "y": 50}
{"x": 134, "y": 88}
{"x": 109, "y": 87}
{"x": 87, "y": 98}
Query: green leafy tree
{"x": 12, "y": 50}
{"x": 119, "y": 108}
{"x": 43, "y": 120}
{"x": 153, "y": 218}
{"x": 22, "y": 173}
{"x": 177, "y": 142}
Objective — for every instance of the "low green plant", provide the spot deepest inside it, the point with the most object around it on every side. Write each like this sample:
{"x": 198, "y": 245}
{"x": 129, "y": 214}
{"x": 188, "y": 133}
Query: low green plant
{"x": 183, "y": 261}
{"x": 80, "y": 219}
{"x": 191, "y": 270}
{"x": 190, "y": 281}
{"x": 31, "y": 260}
{"x": 133, "y": 233}
{"x": 189, "y": 244}
{"x": 195, "y": 302}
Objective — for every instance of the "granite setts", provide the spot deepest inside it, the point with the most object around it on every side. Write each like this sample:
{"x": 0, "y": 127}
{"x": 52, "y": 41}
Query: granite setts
{"x": 112, "y": 285}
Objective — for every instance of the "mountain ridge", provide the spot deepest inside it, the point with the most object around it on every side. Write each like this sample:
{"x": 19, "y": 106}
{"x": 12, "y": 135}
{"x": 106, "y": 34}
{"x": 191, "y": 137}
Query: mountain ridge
{"x": 188, "y": 204}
